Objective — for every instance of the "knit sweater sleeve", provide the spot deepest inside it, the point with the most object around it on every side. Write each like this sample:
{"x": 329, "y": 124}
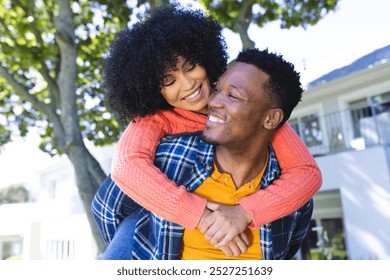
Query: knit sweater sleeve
{"x": 300, "y": 179}
{"x": 134, "y": 172}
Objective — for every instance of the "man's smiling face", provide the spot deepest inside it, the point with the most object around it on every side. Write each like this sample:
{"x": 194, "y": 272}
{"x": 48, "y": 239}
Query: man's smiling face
{"x": 238, "y": 106}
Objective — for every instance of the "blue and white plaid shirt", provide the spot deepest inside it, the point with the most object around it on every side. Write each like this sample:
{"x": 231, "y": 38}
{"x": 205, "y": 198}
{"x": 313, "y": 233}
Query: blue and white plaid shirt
{"x": 188, "y": 161}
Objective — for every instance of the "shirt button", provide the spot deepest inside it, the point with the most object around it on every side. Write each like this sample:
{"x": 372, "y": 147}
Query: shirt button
{"x": 226, "y": 179}
{"x": 208, "y": 167}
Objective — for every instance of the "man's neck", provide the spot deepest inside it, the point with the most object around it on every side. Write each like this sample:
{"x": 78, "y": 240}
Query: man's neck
{"x": 243, "y": 166}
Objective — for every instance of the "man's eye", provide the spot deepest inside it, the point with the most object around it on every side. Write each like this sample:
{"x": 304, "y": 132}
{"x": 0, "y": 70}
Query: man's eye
{"x": 231, "y": 95}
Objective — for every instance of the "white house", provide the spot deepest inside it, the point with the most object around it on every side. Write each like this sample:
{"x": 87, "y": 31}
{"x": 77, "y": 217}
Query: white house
{"x": 345, "y": 122}
{"x": 55, "y": 225}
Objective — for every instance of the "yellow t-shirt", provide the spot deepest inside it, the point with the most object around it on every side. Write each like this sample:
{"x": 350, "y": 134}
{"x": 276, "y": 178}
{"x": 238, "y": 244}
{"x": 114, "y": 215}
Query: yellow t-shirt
{"x": 220, "y": 188}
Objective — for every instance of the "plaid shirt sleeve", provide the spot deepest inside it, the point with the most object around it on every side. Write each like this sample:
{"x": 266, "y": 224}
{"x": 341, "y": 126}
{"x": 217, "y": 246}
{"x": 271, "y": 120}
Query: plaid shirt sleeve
{"x": 301, "y": 228}
{"x": 109, "y": 207}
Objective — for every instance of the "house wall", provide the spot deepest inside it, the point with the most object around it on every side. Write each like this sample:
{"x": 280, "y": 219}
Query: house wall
{"x": 55, "y": 225}
{"x": 363, "y": 180}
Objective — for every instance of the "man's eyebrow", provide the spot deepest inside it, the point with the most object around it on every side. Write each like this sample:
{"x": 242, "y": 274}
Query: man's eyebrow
{"x": 239, "y": 88}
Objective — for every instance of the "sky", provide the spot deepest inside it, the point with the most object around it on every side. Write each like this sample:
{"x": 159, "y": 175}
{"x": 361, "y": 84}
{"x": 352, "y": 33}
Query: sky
{"x": 357, "y": 28}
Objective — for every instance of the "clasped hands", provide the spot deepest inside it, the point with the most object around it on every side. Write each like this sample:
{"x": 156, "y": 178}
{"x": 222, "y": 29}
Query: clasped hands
{"x": 224, "y": 225}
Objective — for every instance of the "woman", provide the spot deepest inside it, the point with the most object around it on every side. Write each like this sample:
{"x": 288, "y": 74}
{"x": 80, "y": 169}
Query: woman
{"x": 158, "y": 74}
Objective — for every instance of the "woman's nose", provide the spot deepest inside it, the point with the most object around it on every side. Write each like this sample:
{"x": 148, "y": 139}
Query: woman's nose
{"x": 187, "y": 82}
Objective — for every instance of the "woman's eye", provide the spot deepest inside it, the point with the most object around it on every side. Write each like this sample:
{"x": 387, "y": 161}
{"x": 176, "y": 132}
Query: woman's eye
{"x": 191, "y": 67}
{"x": 167, "y": 82}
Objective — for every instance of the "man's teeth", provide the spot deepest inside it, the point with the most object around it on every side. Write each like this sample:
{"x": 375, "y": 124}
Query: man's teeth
{"x": 215, "y": 119}
{"x": 192, "y": 96}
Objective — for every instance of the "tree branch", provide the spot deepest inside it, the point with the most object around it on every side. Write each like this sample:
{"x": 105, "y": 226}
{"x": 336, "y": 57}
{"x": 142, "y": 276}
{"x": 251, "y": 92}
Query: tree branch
{"x": 67, "y": 75}
{"x": 37, "y": 34}
{"x": 52, "y": 86}
{"x": 23, "y": 93}
{"x": 243, "y": 21}
{"x": 45, "y": 109}
{"x": 95, "y": 170}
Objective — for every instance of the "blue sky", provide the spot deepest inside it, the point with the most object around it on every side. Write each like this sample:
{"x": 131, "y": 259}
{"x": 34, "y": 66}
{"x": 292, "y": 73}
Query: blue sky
{"x": 357, "y": 28}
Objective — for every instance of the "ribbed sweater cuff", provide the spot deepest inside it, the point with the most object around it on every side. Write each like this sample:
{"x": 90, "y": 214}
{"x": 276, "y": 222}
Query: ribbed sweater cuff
{"x": 190, "y": 211}
{"x": 264, "y": 214}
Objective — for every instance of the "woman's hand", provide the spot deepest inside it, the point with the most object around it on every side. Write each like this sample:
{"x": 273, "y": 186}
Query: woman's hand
{"x": 223, "y": 224}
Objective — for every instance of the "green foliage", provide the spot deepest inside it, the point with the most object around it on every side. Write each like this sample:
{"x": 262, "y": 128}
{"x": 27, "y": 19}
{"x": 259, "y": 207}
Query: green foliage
{"x": 29, "y": 53}
{"x": 289, "y": 12}
{"x": 14, "y": 194}
{"x": 333, "y": 249}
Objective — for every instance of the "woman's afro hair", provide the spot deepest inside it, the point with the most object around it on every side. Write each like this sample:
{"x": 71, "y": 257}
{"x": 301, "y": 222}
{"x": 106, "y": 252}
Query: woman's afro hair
{"x": 139, "y": 56}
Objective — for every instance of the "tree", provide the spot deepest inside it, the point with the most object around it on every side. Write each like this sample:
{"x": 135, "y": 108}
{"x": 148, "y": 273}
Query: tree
{"x": 50, "y": 76}
{"x": 238, "y": 15}
{"x": 14, "y": 194}
{"x": 50, "y": 69}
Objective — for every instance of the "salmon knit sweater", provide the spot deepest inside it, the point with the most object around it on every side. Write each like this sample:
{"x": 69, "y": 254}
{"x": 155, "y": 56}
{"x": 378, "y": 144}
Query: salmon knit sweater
{"x": 133, "y": 171}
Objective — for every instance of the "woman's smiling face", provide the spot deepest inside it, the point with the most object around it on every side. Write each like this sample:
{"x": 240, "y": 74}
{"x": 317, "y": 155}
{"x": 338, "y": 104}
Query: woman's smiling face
{"x": 187, "y": 87}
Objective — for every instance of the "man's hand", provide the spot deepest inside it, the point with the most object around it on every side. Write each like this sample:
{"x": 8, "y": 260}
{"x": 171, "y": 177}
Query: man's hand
{"x": 239, "y": 245}
{"x": 224, "y": 223}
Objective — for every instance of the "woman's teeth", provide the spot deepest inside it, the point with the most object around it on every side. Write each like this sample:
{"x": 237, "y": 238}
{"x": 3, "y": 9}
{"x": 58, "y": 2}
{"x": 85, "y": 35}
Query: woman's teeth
{"x": 192, "y": 96}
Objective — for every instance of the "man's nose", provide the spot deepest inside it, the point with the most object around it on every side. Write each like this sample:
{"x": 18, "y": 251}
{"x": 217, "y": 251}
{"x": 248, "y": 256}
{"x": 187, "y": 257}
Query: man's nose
{"x": 216, "y": 99}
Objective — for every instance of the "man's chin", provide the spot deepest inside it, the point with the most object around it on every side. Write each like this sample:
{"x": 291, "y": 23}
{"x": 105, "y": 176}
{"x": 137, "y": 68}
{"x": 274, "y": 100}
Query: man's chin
{"x": 209, "y": 139}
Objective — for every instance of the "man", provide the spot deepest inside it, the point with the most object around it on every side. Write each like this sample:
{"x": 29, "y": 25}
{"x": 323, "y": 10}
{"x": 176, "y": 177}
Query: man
{"x": 231, "y": 159}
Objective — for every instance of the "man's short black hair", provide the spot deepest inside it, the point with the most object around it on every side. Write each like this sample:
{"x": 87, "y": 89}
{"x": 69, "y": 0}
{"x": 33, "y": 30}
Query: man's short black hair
{"x": 284, "y": 84}
{"x": 139, "y": 56}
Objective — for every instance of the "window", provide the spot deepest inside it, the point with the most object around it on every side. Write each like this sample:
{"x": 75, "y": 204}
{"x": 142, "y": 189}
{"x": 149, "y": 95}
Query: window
{"x": 11, "y": 248}
{"x": 380, "y": 103}
{"x": 308, "y": 128}
{"x": 332, "y": 227}
{"x": 310, "y": 242}
{"x": 370, "y": 118}
{"x": 359, "y": 110}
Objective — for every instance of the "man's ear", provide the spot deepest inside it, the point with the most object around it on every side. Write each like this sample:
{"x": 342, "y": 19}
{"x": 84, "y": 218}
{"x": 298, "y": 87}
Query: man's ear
{"x": 273, "y": 119}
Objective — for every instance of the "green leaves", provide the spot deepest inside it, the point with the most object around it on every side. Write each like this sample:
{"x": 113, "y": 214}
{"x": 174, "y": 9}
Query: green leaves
{"x": 236, "y": 15}
{"x": 14, "y": 194}
{"x": 31, "y": 60}
{"x": 289, "y": 12}
{"x": 30, "y": 55}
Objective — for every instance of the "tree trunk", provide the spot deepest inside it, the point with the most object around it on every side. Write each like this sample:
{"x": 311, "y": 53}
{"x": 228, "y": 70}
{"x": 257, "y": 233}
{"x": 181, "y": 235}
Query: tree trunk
{"x": 88, "y": 173}
{"x": 247, "y": 43}
{"x": 242, "y": 24}
{"x": 87, "y": 184}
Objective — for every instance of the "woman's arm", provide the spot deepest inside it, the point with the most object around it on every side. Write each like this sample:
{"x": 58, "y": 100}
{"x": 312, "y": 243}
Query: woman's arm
{"x": 300, "y": 180}
{"x": 134, "y": 172}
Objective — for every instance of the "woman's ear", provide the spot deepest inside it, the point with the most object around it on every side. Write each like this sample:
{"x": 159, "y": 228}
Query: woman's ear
{"x": 273, "y": 119}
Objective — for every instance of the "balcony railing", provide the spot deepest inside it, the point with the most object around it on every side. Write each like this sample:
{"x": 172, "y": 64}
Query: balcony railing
{"x": 353, "y": 129}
